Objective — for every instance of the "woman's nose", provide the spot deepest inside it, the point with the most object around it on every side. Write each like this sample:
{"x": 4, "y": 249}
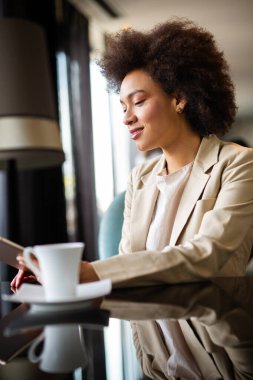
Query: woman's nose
{"x": 129, "y": 118}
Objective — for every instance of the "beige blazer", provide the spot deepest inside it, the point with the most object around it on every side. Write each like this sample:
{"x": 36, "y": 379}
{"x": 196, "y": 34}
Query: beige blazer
{"x": 213, "y": 229}
{"x": 212, "y": 236}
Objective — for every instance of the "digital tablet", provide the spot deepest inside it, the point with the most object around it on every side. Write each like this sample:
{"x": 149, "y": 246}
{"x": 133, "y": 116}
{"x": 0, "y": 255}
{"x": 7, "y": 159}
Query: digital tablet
{"x": 9, "y": 252}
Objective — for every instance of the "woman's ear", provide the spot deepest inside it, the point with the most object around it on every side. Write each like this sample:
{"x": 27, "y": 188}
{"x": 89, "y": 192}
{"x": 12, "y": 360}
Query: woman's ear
{"x": 180, "y": 104}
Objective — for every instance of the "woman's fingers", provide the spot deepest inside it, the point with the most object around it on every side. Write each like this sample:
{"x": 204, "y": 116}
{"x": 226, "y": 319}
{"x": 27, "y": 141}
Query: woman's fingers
{"x": 21, "y": 277}
{"x": 16, "y": 282}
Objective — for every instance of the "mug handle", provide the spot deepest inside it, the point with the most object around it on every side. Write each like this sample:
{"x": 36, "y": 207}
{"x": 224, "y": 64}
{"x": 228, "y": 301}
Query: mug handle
{"x": 27, "y": 253}
{"x": 31, "y": 352}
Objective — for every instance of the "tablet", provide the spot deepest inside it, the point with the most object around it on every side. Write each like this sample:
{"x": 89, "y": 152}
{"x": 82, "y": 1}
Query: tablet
{"x": 9, "y": 252}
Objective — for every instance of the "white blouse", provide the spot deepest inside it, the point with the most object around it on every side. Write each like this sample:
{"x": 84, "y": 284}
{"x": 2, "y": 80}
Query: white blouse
{"x": 171, "y": 188}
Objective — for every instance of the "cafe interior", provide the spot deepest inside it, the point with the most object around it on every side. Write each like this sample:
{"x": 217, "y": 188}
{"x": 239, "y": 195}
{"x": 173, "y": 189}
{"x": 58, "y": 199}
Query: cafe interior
{"x": 65, "y": 158}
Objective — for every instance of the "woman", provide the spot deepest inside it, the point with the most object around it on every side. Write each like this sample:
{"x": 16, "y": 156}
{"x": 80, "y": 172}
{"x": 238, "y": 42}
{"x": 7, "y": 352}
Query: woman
{"x": 189, "y": 213}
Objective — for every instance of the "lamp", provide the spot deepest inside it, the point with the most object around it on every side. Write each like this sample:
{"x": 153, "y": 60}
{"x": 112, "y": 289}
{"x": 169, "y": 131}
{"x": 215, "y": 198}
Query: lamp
{"x": 29, "y": 132}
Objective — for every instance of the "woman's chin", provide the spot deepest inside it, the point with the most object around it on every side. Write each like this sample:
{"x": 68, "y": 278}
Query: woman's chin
{"x": 143, "y": 147}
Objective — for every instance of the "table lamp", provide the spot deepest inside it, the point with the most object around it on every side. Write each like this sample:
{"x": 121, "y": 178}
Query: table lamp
{"x": 29, "y": 132}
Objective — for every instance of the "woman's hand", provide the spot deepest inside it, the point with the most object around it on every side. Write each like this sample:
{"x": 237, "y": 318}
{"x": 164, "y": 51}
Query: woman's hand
{"x": 20, "y": 277}
{"x": 87, "y": 272}
{"x": 23, "y": 275}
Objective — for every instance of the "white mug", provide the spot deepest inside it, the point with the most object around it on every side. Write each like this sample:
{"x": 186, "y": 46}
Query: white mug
{"x": 58, "y": 268}
{"x": 63, "y": 349}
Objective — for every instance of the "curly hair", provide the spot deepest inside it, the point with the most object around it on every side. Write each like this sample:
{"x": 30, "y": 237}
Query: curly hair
{"x": 185, "y": 61}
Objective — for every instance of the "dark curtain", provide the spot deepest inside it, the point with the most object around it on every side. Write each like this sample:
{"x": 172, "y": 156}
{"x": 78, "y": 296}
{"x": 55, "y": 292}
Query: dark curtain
{"x": 73, "y": 41}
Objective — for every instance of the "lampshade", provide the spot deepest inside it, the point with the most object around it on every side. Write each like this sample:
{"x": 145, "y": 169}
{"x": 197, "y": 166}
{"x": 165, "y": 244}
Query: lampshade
{"x": 29, "y": 132}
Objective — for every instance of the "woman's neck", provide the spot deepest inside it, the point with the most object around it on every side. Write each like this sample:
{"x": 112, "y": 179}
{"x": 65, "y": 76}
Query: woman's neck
{"x": 182, "y": 154}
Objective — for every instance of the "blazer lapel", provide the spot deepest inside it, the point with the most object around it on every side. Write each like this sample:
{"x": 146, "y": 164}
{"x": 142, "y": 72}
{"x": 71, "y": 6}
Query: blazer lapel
{"x": 191, "y": 194}
{"x": 207, "y": 156}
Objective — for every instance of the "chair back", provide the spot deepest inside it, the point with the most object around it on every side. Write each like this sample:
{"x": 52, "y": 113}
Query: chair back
{"x": 110, "y": 228}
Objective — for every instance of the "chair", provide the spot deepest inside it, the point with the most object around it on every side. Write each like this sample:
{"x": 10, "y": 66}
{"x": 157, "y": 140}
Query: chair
{"x": 110, "y": 228}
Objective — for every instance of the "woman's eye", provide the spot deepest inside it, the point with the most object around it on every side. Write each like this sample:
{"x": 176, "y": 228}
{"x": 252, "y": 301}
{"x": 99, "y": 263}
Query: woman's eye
{"x": 139, "y": 102}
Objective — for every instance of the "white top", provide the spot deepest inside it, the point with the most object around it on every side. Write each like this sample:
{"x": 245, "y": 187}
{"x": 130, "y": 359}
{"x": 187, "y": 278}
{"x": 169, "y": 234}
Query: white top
{"x": 171, "y": 188}
{"x": 181, "y": 362}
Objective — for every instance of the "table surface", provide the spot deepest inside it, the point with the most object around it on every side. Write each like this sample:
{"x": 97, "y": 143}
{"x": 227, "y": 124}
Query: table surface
{"x": 84, "y": 341}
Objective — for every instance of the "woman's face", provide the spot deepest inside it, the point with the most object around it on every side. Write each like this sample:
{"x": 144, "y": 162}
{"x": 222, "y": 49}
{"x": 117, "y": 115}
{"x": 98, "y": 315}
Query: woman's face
{"x": 149, "y": 113}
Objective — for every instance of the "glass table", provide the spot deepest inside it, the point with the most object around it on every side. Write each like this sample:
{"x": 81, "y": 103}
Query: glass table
{"x": 212, "y": 323}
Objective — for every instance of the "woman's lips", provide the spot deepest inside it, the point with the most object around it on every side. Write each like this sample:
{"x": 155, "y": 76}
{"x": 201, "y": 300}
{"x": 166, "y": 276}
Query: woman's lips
{"x": 135, "y": 133}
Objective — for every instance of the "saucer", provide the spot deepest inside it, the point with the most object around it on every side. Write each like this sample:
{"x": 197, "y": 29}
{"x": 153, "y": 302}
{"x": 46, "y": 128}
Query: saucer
{"x": 34, "y": 294}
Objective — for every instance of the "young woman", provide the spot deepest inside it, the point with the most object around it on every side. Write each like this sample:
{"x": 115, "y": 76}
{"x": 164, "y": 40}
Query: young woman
{"x": 189, "y": 213}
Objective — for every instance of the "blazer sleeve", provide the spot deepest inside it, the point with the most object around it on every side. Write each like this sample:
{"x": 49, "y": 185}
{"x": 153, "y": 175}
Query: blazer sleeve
{"x": 223, "y": 230}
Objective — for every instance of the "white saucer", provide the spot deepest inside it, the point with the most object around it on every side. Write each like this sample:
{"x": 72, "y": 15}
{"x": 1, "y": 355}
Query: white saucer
{"x": 34, "y": 294}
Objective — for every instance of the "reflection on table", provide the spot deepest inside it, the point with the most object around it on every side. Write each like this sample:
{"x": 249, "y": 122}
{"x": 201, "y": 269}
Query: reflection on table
{"x": 212, "y": 322}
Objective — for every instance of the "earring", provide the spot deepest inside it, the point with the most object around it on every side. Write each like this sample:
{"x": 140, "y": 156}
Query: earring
{"x": 179, "y": 109}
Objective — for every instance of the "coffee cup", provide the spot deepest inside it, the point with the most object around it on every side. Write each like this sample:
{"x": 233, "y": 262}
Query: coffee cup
{"x": 57, "y": 269}
{"x": 63, "y": 349}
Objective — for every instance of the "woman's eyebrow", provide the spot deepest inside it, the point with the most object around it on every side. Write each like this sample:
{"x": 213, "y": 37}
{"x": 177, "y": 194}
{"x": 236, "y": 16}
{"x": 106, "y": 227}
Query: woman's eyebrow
{"x": 131, "y": 94}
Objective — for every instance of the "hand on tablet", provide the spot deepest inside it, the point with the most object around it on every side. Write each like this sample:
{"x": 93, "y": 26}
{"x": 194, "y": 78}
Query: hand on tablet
{"x": 23, "y": 275}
